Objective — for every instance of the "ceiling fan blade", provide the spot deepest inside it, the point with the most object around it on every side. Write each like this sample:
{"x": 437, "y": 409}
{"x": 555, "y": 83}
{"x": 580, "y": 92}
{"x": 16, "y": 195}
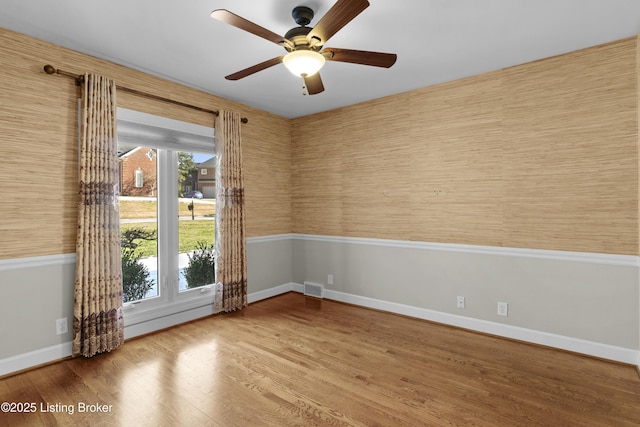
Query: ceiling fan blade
{"x": 337, "y": 17}
{"x": 252, "y": 70}
{"x": 239, "y": 22}
{"x": 364, "y": 57}
{"x": 314, "y": 84}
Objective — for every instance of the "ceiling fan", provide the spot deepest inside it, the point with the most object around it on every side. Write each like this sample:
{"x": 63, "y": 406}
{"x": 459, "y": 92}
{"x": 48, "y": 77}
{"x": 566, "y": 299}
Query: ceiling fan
{"x": 305, "y": 45}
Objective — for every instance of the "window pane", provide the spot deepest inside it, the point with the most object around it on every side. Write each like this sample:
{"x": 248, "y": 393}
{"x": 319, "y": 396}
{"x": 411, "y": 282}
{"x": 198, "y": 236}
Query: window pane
{"x": 138, "y": 222}
{"x": 196, "y": 225}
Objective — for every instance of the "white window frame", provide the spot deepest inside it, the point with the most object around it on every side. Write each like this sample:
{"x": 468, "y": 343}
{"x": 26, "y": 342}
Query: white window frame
{"x": 168, "y": 136}
{"x": 139, "y": 178}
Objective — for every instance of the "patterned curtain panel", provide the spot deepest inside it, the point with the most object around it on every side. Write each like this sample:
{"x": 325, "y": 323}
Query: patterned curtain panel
{"x": 98, "y": 323}
{"x": 231, "y": 256}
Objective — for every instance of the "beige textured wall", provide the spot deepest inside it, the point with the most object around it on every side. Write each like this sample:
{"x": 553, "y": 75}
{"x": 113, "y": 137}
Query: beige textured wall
{"x": 542, "y": 155}
{"x": 38, "y": 145}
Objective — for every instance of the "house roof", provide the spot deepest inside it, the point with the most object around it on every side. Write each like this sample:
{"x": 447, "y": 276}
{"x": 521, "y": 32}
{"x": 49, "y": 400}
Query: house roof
{"x": 124, "y": 152}
{"x": 211, "y": 163}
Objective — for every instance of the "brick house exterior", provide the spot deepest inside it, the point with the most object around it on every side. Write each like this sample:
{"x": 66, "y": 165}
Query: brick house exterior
{"x": 207, "y": 178}
{"x": 138, "y": 172}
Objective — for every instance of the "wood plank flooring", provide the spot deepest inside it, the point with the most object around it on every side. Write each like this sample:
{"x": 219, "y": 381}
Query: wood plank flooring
{"x": 292, "y": 360}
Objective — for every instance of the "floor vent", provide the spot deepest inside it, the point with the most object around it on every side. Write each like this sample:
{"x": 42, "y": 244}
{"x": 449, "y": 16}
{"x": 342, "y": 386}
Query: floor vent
{"x": 313, "y": 289}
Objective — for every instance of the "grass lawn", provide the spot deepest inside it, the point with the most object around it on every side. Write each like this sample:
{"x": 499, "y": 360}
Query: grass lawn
{"x": 137, "y": 209}
{"x": 189, "y": 233}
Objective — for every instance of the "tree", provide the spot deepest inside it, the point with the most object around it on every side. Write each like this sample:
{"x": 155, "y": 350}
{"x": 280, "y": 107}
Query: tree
{"x": 186, "y": 169}
{"x": 129, "y": 236}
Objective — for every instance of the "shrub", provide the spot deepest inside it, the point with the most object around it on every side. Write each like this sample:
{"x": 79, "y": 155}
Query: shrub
{"x": 201, "y": 268}
{"x": 135, "y": 276}
{"x": 129, "y": 236}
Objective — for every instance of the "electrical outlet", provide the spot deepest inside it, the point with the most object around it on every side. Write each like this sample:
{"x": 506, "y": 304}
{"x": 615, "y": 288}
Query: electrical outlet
{"x": 61, "y": 326}
{"x": 460, "y": 302}
{"x": 330, "y": 279}
{"x": 503, "y": 309}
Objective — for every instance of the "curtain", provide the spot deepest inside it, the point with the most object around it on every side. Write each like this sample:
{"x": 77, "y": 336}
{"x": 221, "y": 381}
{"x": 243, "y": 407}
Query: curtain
{"x": 98, "y": 323}
{"x": 231, "y": 257}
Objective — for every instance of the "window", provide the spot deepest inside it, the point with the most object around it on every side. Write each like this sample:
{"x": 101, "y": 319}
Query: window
{"x": 139, "y": 231}
{"x": 139, "y": 175}
{"x": 167, "y": 240}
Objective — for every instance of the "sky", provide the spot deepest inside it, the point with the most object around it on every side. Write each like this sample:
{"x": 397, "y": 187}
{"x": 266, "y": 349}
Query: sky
{"x": 199, "y": 158}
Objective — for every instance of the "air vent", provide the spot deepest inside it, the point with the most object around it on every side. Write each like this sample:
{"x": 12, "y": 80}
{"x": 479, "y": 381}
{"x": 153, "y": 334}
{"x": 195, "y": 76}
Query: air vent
{"x": 313, "y": 289}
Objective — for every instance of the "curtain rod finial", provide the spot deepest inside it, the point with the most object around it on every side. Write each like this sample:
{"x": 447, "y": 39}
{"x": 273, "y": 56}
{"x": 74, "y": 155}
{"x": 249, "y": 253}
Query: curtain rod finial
{"x": 49, "y": 69}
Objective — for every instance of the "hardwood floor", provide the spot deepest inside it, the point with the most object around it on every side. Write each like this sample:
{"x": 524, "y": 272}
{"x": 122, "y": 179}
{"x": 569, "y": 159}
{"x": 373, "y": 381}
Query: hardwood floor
{"x": 292, "y": 360}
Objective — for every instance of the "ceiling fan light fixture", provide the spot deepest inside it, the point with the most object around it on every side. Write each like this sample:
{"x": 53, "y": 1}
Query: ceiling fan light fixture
{"x": 303, "y": 63}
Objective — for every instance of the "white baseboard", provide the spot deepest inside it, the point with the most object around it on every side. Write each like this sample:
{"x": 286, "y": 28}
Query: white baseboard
{"x": 272, "y": 292}
{"x": 57, "y": 352}
{"x": 193, "y": 314}
{"x": 604, "y": 351}
{"x": 590, "y": 348}
{"x": 167, "y": 321}
{"x": 34, "y": 358}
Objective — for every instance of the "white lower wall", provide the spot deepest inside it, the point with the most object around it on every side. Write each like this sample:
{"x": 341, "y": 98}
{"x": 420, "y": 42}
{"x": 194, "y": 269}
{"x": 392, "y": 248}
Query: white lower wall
{"x": 34, "y": 292}
{"x": 269, "y": 262}
{"x": 595, "y": 349}
{"x": 561, "y": 299}
{"x": 588, "y": 303}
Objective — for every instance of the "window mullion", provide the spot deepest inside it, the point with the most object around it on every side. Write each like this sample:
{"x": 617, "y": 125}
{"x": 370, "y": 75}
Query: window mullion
{"x": 168, "y": 223}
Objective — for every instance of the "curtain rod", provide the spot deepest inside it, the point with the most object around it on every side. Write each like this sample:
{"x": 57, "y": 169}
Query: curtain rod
{"x": 50, "y": 69}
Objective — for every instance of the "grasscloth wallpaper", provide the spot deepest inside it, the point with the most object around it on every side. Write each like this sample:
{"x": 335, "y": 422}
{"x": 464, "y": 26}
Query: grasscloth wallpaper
{"x": 542, "y": 155}
{"x": 38, "y": 145}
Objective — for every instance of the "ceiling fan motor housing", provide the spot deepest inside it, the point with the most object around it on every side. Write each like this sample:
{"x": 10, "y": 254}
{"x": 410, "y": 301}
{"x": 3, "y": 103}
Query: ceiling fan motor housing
{"x": 302, "y": 15}
{"x": 298, "y": 35}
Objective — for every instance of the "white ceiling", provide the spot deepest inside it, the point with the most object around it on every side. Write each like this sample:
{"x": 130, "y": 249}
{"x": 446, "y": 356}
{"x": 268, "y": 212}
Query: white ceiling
{"x": 436, "y": 41}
